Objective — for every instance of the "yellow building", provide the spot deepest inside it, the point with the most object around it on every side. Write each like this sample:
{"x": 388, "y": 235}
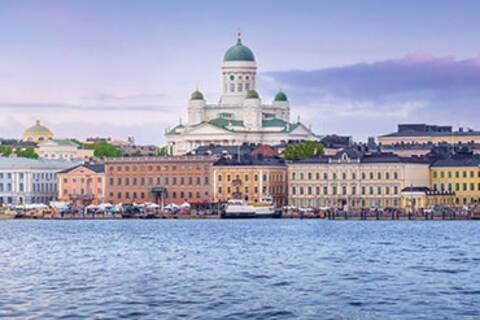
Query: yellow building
{"x": 461, "y": 176}
{"x": 353, "y": 179}
{"x": 250, "y": 179}
{"x": 422, "y": 197}
{"x": 37, "y": 133}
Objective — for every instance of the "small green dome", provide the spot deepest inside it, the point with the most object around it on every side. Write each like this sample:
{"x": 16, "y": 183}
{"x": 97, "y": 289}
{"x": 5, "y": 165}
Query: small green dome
{"x": 38, "y": 128}
{"x": 252, "y": 94}
{"x": 281, "y": 96}
{"x": 239, "y": 52}
{"x": 197, "y": 95}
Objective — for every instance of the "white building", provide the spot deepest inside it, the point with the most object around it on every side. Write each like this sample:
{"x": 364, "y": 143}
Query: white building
{"x": 240, "y": 116}
{"x": 27, "y": 181}
{"x": 57, "y": 149}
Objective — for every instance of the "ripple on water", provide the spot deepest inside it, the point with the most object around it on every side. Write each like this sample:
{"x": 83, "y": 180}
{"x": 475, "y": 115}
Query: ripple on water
{"x": 262, "y": 269}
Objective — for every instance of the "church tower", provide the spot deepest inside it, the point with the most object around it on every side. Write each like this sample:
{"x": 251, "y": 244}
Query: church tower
{"x": 239, "y": 72}
{"x": 196, "y": 108}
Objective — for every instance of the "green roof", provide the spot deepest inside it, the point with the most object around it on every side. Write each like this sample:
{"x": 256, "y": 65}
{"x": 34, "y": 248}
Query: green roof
{"x": 224, "y": 123}
{"x": 281, "y": 96}
{"x": 197, "y": 95}
{"x": 273, "y": 123}
{"x": 64, "y": 142}
{"x": 174, "y": 130}
{"x": 252, "y": 94}
{"x": 239, "y": 52}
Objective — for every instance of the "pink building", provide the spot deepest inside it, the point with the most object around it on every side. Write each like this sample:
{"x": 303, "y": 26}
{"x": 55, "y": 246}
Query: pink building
{"x": 82, "y": 185}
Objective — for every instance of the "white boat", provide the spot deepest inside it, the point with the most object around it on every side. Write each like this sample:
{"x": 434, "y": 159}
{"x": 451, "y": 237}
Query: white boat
{"x": 241, "y": 209}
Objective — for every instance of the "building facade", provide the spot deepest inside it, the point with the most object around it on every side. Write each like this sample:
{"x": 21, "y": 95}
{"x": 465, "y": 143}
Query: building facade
{"x": 163, "y": 180}
{"x": 419, "y": 134}
{"x": 240, "y": 116}
{"x": 28, "y": 181}
{"x": 251, "y": 178}
{"x": 422, "y": 198}
{"x": 82, "y": 185}
{"x": 353, "y": 179}
{"x": 63, "y": 149}
{"x": 459, "y": 175}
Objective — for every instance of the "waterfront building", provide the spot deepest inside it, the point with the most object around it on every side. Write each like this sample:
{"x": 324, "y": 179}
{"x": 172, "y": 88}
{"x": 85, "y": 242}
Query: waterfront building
{"x": 62, "y": 149}
{"x": 354, "y": 179}
{"x": 459, "y": 174}
{"x": 250, "y": 178}
{"x": 240, "y": 116}
{"x": 424, "y": 197}
{"x": 37, "y": 133}
{"x": 27, "y": 181}
{"x": 82, "y": 184}
{"x": 170, "y": 179}
{"x": 429, "y": 134}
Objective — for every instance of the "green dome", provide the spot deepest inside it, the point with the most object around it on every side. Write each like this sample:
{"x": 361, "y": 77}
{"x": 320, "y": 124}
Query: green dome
{"x": 280, "y": 96}
{"x": 38, "y": 128}
{"x": 252, "y": 94}
{"x": 197, "y": 95}
{"x": 239, "y": 52}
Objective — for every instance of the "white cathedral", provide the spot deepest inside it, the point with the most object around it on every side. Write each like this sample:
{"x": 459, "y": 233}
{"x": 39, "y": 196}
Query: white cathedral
{"x": 239, "y": 117}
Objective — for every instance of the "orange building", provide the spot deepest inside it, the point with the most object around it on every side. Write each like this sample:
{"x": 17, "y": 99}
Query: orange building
{"x": 82, "y": 185}
{"x": 251, "y": 179}
{"x": 163, "y": 180}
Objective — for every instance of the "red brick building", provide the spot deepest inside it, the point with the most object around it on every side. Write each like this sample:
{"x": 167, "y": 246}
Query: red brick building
{"x": 171, "y": 179}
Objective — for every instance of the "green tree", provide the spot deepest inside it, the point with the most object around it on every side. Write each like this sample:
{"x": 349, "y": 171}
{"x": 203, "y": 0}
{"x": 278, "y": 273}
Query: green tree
{"x": 104, "y": 149}
{"x": 26, "y": 153}
{"x": 303, "y": 150}
{"x": 137, "y": 153}
{"x": 5, "y": 150}
{"x": 163, "y": 151}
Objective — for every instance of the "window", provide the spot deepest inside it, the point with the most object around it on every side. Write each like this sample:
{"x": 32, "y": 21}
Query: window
{"x": 206, "y": 180}
{"x": 198, "y": 180}
{"x": 294, "y": 175}
{"x": 309, "y": 176}
{"x": 387, "y": 175}
{"x": 442, "y": 174}
{"x": 264, "y": 178}
{"x": 395, "y": 175}
{"x": 379, "y": 175}
{"x": 240, "y": 87}
{"x": 354, "y": 190}
{"x": 344, "y": 190}
{"x": 232, "y": 87}
{"x": 371, "y": 175}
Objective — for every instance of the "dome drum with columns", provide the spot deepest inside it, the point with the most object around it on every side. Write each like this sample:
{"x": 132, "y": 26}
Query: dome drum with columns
{"x": 240, "y": 116}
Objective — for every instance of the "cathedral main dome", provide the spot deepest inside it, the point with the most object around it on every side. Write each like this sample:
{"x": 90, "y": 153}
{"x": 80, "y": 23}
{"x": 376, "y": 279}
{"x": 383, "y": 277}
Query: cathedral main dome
{"x": 239, "y": 52}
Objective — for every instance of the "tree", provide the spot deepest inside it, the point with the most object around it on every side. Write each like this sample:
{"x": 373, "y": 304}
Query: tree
{"x": 303, "y": 150}
{"x": 163, "y": 151}
{"x": 5, "y": 151}
{"x": 137, "y": 153}
{"x": 104, "y": 149}
{"x": 26, "y": 153}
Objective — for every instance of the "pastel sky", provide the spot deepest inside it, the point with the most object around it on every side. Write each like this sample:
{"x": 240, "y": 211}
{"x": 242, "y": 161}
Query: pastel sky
{"x": 124, "y": 68}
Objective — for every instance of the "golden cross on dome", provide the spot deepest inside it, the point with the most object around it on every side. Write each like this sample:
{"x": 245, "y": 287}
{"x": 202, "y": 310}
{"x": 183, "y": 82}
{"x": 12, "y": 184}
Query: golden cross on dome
{"x": 239, "y": 35}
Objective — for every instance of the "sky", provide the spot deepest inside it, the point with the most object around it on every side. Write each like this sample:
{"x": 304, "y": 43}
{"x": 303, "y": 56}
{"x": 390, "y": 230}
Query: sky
{"x": 120, "y": 68}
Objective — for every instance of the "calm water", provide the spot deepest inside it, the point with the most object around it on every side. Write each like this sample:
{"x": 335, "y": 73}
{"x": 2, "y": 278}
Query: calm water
{"x": 269, "y": 269}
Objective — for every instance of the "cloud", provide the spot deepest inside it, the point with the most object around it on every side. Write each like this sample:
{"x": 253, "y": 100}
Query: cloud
{"x": 371, "y": 98}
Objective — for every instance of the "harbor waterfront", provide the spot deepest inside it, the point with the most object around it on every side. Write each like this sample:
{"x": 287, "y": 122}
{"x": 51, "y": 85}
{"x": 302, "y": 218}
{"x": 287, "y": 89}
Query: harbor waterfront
{"x": 250, "y": 269}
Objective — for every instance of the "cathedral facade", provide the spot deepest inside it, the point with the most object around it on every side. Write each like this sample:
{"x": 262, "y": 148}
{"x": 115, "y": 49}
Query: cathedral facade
{"x": 239, "y": 116}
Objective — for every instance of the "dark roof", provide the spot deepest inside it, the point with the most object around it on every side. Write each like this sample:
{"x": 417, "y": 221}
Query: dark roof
{"x": 336, "y": 141}
{"x": 363, "y": 157}
{"x": 428, "y": 191}
{"x": 250, "y": 161}
{"x": 417, "y": 130}
{"x": 473, "y": 161}
{"x": 98, "y": 168}
{"x": 416, "y": 189}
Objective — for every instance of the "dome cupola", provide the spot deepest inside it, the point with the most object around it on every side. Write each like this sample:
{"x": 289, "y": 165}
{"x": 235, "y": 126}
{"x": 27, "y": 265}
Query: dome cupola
{"x": 197, "y": 95}
{"x": 281, "y": 96}
{"x": 252, "y": 94}
{"x": 239, "y": 52}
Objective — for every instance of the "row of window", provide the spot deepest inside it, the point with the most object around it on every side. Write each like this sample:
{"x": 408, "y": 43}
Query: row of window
{"x": 441, "y": 174}
{"x": 458, "y": 187}
{"x": 82, "y": 180}
{"x": 158, "y": 167}
{"x": 246, "y": 177}
{"x": 82, "y": 192}
{"x": 181, "y": 180}
{"x": 318, "y": 203}
{"x": 174, "y": 195}
{"x": 343, "y": 190}
{"x": 246, "y": 190}
{"x": 363, "y": 175}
